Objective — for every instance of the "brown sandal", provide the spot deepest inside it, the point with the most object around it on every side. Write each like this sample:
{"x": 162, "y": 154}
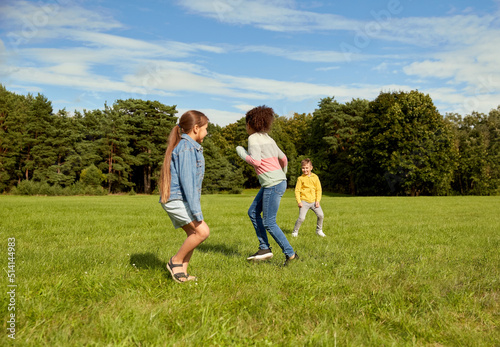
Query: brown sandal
{"x": 176, "y": 276}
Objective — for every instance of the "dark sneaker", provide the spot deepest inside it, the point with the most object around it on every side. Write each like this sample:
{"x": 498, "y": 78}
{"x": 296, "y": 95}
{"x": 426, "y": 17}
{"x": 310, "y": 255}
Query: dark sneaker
{"x": 262, "y": 254}
{"x": 291, "y": 260}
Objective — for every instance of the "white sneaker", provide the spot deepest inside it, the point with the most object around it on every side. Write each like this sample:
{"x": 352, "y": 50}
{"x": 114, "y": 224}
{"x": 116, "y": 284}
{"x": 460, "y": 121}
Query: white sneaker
{"x": 295, "y": 233}
{"x": 320, "y": 233}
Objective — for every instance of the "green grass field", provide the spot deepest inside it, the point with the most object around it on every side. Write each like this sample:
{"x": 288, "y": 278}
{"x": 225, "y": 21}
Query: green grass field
{"x": 391, "y": 272}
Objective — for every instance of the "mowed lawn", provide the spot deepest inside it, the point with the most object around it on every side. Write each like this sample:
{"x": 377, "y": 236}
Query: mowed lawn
{"x": 391, "y": 272}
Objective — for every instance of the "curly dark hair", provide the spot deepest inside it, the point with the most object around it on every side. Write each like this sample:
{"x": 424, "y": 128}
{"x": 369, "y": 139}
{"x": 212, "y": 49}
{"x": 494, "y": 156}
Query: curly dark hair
{"x": 260, "y": 118}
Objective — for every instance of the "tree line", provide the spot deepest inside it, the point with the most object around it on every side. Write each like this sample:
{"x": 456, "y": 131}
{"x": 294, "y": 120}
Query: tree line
{"x": 397, "y": 144}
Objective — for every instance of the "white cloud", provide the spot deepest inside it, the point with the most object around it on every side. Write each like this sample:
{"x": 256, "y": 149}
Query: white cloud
{"x": 30, "y": 20}
{"x": 435, "y": 31}
{"x": 69, "y": 69}
{"x": 387, "y": 23}
{"x": 269, "y": 15}
{"x": 476, "y": 65}
{"x": 47, "y": 76}
{"x": 301, "y": 91}
{"x": 328, "y": 68}
{"x": 134, "y": 47}
{"x": 381, "y": 67}
{"x": 308, "y": 56}
{"x": 461, "y": 50}
{"x": 244, "y": 107}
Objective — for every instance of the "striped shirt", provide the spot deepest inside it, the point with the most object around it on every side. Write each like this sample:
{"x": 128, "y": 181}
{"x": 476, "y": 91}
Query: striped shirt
{"x": 264, "y": 155}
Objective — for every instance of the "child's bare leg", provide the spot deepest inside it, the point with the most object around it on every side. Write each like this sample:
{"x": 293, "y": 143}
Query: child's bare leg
{"x": 196, "y": 232}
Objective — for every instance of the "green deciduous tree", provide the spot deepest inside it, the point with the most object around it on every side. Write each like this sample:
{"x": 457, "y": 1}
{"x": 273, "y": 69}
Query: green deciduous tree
{"x": 298, "y": 129}
{"x": 478, "y": 143}
{"x": 494, "y": 147}
{"x": 285, "y": 142}
{"x": 397, "y": 144}
{"x": 92, "y": 176}
{"x": 407, "y": 147}
{"x": 335, "y": 137}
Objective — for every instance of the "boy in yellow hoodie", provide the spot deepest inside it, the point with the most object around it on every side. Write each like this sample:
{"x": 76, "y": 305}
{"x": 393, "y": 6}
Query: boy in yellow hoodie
{"x": 308, "y": 196}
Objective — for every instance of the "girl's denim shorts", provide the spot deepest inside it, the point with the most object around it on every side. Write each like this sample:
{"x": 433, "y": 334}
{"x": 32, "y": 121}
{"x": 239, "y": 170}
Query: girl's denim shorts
{"x": 179, "y": 212}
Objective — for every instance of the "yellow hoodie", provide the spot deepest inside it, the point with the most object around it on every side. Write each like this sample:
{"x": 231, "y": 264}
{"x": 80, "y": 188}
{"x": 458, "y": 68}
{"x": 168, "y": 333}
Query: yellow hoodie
{"x": 308, "y": 188}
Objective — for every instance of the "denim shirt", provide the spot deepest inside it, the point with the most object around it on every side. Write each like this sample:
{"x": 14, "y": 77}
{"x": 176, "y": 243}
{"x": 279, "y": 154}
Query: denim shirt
{"x": 187, "y": 169}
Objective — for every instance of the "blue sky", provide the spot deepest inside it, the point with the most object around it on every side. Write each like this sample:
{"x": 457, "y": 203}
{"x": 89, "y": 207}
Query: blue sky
{"x": 224, "y": 57}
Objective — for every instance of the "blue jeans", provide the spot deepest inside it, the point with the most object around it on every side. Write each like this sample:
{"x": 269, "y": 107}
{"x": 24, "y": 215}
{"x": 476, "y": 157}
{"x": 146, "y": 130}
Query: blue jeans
{"x": 267, "y": 202}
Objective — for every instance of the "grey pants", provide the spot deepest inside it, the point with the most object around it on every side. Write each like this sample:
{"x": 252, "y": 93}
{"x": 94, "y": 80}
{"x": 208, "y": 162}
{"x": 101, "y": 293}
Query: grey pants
{"x": 306, "y": 206}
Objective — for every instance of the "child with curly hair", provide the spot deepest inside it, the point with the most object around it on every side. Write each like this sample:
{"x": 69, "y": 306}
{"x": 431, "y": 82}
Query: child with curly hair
{"x": 270, "y": 164}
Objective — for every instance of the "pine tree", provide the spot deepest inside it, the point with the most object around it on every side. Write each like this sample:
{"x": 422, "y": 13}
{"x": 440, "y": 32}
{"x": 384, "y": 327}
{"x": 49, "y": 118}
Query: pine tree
{"x": 150, "y": 123}
{"x": 67, "y": 135}
{"x": 220, "y": 174}
{"x": 111, "y": 143}
{"x": 40, "y": 126}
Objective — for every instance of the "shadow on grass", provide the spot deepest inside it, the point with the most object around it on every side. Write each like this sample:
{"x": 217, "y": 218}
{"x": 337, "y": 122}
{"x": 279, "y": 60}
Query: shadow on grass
{"x": 147, "y": 261}
{"x": 219, "y": 248}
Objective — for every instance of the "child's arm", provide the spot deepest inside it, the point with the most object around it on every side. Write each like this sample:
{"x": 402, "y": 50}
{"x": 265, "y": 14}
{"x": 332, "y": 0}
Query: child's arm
{"x": 188, "y": 180}
{"x": 283, "y": 160}
{"x": 253, "y": 156}
{"x": 318, "y": 191}
{"x": 242, "y": 152}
